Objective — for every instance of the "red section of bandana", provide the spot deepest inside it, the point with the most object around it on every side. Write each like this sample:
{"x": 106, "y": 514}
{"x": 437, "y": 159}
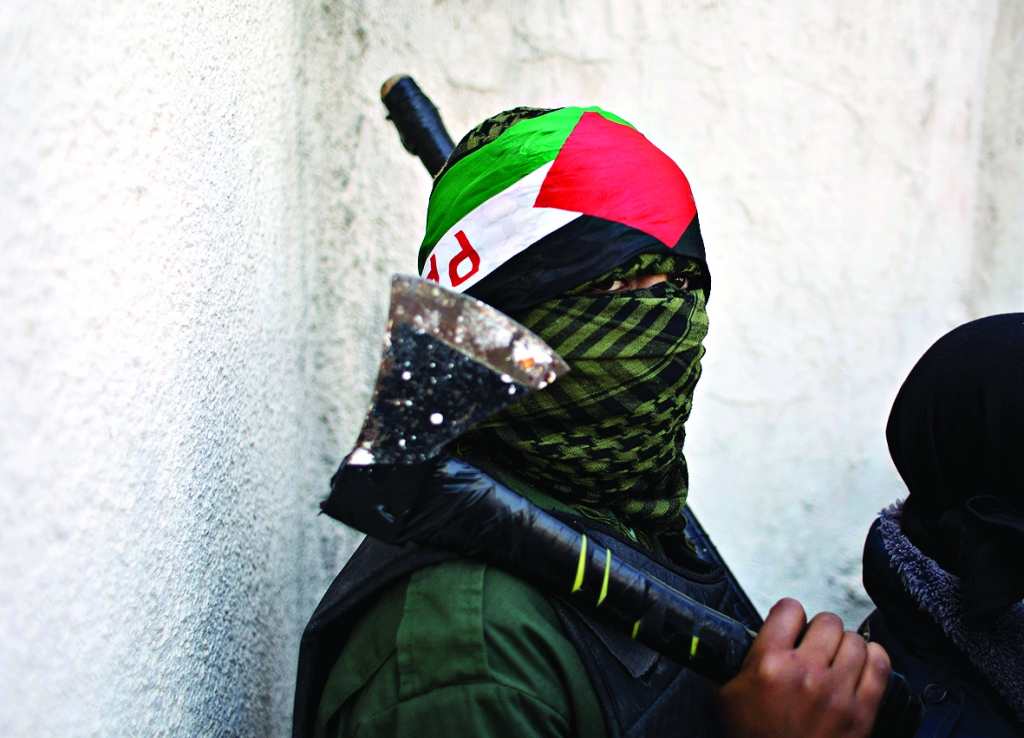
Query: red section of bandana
{"x": 609, "y": 170}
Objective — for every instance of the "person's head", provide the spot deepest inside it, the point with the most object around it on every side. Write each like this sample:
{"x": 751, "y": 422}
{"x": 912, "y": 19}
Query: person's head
{"x": 956, "y": 435}
{"x": 580, "y": 228}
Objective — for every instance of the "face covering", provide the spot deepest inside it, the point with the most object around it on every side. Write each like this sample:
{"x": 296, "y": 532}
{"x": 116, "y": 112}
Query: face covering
{"x": 610, "y": 433}
{"x": 956, "y": 435}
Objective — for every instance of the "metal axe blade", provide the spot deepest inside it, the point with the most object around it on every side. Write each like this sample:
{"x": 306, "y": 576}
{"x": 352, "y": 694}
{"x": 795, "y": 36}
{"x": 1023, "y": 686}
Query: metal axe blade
{"x": 449, "y": 362}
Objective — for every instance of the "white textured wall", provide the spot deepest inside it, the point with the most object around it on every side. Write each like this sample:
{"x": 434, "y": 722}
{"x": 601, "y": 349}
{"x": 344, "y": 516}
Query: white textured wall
{"x": 161, "y": 446}
{"x": 200, "y": 204}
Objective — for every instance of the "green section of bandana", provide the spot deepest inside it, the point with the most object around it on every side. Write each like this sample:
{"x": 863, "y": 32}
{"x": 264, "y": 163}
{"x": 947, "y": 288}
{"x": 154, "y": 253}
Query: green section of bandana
{"x": 486, "y": 132}
{"x": 494, "y": 167}
{"x": 610, "y": 433}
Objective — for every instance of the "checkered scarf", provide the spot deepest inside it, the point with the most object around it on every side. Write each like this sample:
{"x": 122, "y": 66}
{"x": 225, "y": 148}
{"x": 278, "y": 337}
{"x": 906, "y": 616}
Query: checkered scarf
{"x": 610, "y": 433}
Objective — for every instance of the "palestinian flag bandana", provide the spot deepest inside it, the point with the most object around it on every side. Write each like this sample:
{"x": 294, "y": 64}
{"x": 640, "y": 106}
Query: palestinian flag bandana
{"x": 534, "y": 202}
{"x": 609, "y": 435}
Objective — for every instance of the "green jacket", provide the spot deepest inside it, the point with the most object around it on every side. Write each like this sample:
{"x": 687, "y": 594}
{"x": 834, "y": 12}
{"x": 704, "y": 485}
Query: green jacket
{"x": 461, "y": 649}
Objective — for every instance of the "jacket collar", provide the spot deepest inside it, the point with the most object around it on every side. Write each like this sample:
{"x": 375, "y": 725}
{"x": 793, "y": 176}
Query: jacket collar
{"x": 995, "y": 648}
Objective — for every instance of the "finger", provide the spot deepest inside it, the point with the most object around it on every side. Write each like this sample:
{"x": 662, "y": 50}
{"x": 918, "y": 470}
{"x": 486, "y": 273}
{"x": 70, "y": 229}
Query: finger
{"x": 784, "y": 624}
{"x": 874, "y": 676}
{"x": 822, "y": 638}
{"x": 849, "y": 661}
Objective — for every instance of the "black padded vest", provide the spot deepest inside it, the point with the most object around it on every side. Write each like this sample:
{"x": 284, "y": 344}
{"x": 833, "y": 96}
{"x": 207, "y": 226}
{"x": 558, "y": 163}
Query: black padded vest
{"x": 642, "y": 694}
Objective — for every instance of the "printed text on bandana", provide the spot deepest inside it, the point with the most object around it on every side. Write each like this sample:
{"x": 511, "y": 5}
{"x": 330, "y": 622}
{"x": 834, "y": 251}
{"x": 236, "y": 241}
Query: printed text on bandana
{"x": 493, "y": 233}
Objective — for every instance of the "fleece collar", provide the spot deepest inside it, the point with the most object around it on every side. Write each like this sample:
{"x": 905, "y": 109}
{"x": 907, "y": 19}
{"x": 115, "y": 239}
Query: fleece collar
{"x": 996, "y": 647}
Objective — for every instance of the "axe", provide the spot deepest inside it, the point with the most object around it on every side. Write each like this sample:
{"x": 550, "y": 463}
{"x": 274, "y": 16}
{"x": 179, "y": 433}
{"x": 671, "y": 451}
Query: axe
{"x": 449, "y": 362}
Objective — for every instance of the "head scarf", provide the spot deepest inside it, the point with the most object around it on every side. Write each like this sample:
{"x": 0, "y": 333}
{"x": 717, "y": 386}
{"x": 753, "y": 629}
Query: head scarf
{"x": 609, "y": 435}
{"x": 956, "y": 435}
{"x": 534, "y": 207}
{"x": 534, "y": 202}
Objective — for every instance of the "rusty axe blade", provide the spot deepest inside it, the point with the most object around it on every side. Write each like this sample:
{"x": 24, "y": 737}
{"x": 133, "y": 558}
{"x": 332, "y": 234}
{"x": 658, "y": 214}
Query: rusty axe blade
{"x": 449, "y": 362}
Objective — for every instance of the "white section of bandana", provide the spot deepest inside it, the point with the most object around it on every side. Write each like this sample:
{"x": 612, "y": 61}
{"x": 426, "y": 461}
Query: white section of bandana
{"x": 494, "y": 232}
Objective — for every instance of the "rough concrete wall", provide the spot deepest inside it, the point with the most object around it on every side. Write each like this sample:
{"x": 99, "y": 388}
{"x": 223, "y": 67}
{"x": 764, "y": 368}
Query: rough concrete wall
{"x": 200, "y": 206}
{"x": 158, "y": 470}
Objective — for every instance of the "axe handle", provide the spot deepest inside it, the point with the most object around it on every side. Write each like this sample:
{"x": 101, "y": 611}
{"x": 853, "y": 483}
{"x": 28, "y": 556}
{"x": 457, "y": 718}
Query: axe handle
{"x": 460, "y": 508}
{"x": 499, "y": 525}
{"x": 418, "y": 122}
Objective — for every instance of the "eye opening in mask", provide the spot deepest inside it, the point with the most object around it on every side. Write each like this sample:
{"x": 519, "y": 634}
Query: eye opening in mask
{"x": 609, "y": 286}
{"x": 684, "y": 281}
{"x": 612, "y": 286}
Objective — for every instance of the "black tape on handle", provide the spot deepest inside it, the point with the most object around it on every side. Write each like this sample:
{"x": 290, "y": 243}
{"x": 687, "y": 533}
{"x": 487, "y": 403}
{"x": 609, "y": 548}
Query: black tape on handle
{"x": 418, "y": 122}
{"x": 901, "y": 712}
{"x": 460, "y": 508}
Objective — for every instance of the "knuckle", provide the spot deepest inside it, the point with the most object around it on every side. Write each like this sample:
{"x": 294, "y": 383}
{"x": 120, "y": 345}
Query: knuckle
{"x": 828, "y": 620}
{"x": 785, "y": 602}
{"x": 815, "y": 679}
{"x": 777, "y": 667}
{"x": 852, "y": 640}
{"x": 787, "y": 607}
{"x": 813, "y": 684}
{"x": 854, "y": 647}
{"x": 769, "y": 667}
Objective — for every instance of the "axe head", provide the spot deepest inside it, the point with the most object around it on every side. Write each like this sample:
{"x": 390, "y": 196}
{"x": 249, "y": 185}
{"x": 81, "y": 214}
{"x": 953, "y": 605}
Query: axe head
{"x": 449, "y": 362}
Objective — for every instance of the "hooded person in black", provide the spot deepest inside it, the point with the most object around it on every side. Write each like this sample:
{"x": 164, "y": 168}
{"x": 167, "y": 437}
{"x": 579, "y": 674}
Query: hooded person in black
{"x": 946, "y": 567}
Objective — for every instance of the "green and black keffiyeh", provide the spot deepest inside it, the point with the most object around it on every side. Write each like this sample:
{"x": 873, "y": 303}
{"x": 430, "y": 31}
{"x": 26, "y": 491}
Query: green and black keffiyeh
{"x": 610, "y": 433}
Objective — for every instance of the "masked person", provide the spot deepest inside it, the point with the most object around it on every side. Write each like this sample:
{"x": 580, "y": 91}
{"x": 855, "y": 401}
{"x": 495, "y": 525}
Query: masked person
{"x": 573, "y": 223}
{"x": 946, "y": 567}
